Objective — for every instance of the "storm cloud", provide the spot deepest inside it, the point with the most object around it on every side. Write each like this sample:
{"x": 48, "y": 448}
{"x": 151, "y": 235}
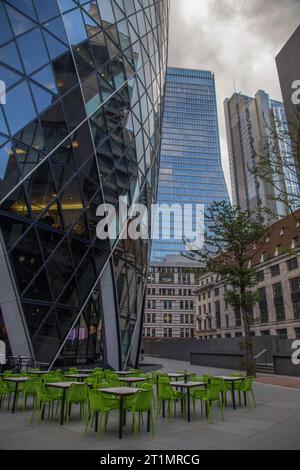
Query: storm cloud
{"x": 236, "y": 39}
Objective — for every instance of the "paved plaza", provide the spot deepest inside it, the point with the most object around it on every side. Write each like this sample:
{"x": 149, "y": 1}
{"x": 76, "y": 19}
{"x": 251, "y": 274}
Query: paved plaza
{"x": 274, "y": 424}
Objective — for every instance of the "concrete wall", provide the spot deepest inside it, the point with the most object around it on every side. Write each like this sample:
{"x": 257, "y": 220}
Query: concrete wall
{"x": 226, "y": 353}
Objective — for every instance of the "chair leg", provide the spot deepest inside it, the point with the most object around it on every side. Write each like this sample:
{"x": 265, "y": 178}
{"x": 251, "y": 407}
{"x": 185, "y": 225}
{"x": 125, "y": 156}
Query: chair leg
{"x": 254, "y": 401}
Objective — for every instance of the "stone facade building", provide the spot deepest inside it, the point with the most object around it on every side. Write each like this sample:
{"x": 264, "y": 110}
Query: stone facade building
{"x": 278, "y": 272}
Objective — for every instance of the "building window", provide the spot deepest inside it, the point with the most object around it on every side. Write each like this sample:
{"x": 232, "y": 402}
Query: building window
{"x": 279, "y": 302}
{"x": 275, "y": 270}
{"x": 168, "y": 318}
{"x": 239, "y": 335}
{"x": 292, "y": 264}
{"x": 153, "y": 332}
{"x": 238, "y": 317}
{"x": 181, "y": 333}
{"x": 263, "y": 305}
{"x": 227, "y": 321}
{"x": 297, "y": 333}
{"x": 260, "y": 276}
{"x": 295, "y": 295}
{"x": 218, "y": 315}
{"x": 167, "y": 305}
{"x": 217, "y": 292}
{"x": 265, "y": 333}
{"x": 282, "y": 334}
{"x": 228, "y": 335}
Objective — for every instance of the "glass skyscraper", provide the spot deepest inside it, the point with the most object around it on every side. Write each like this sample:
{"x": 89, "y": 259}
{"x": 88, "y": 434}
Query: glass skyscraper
{"x": 80, "y": 127}
{"x": 190, "y": 160}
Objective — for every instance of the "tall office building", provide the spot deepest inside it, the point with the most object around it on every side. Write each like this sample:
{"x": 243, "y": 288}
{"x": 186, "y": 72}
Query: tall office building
{"x": 250, "y": 125}
{"x": 190, "y": 158}
{"x": 80, "y": 127}
{"x": 288, "y": 65}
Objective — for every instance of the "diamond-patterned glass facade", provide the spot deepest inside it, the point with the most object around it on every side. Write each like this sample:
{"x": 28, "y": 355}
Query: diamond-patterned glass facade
{"x": 80, "y": 127}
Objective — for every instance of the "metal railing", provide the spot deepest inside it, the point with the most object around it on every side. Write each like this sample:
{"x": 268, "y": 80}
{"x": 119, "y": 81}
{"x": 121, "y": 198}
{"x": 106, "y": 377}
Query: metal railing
{"x": 262, "y": 353}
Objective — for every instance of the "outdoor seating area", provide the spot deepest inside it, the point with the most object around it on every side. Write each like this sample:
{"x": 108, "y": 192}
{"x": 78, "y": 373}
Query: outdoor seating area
{"x": 139, "y": 399}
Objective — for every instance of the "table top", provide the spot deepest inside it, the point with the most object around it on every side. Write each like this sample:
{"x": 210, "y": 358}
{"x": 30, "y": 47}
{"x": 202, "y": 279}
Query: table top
{"x": 188, "y": 384}
{"x": 178, "y": 376}
{"x": 231, "y": 379}
{"x": 124, "y": 372}
{"x": 85, "y": 371}
{"x": 120, "y": 391}
{"x": 132, "y": 379}
{"x": 77, "y": 376}
{"x": 61, "y": 384}
{"x": 15, "y": 379}
{"x": 38, "y": 372}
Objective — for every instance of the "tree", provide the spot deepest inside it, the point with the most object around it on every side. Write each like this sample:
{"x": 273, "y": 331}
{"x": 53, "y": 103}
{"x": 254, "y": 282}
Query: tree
{"x": 233, "y": 238}
{"x": 277, "y": 162}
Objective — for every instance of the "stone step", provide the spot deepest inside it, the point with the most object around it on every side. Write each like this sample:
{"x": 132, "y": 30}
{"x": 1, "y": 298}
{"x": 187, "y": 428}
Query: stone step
{"x": 265, "y": 368}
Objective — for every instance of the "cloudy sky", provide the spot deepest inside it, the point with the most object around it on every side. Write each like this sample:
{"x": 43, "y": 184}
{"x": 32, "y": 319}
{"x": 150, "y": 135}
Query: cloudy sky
{"x": 237, "y": 39}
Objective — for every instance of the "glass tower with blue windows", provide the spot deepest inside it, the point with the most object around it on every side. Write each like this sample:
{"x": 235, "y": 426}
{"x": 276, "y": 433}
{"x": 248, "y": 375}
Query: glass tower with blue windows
{"x": 190, "y": 160}
{"x": 80, "y": 127}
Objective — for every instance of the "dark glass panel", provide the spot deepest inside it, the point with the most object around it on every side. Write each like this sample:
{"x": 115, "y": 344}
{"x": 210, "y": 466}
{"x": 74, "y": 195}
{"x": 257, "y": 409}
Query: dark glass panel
{"x": 16, "y": 203}
{"x": 91, "y": 214}
{"x": 39, "y": 289}
{"x": 47, "y": 340}
{"x": 98, "y": 126}
{"x": 28, "y": 43}
{"x": 70, "y": 294}
{"x": 49, "y": 241}
{"x": 90, "y": 169}
{"x": 32, "y": 135}
{"x": 40, "y": 188}
{"x": 19, "y": 22}
{"x": 80, "y": 228}
{"x": 88, "y": 188}
{"x": 19, "y": 108}
{"x": 78, "y": 250}
{"x": 101, "y": 252}
{"x": 62, "y": 174}
{"x": 12, "y": 230}
{"x": 26, "y": 259}
{"x": 54, "y": 126}
{"x": 86, "y": 276}
{"x": 35, "y": 315}
{"x": 66, "y": 318}
{"x": 91, "y": 26}
{"x": 52, "y": 217}
{"x": 81, "y": 145}
{"x": 27, "y": 158}
{"x": 74, "y": 108}
{"x": 60, "y": 269}
{"x": 65, "y": 73}
{"x": 99, "y": 50}
{"x": 71, "y": 202}
{"x": 9, "y": 172}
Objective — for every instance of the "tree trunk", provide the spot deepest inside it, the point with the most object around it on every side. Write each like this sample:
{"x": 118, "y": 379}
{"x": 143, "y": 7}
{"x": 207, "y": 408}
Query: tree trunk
{"x": 250, "y": 362}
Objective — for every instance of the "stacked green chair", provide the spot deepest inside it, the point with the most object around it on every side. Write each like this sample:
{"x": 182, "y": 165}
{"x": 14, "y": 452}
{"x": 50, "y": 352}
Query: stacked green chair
{"x": 198, "y": 393}
{"x": 139, "y": 404}
{"x": 44, "y": 398}
{"x": 4, "y": 392}
{"x": 99, "y": 405}
{"x": 10, "y": 387}
{"x": 246, "y": 387}
{"x": 77, "y": 394}
{"x": 29, "y": 389}
{"x": 213, "y": 394}
{"x": 72, "y": 370}
{"x": 166, "y": 393}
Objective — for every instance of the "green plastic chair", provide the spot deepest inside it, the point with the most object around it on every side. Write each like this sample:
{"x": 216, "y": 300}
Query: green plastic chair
{"x": 77, "y": 394}
{"x": 212, "y": 395}
{"x": 29, "y": 389}
{"x": 141, "y": 403}
{"x": 246, "y": 387}
{"x": 4, "y": 392}
{"x": 43, "y": 398}
{"x": 167, "y": 393}
{"x": 99, "y": 405}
